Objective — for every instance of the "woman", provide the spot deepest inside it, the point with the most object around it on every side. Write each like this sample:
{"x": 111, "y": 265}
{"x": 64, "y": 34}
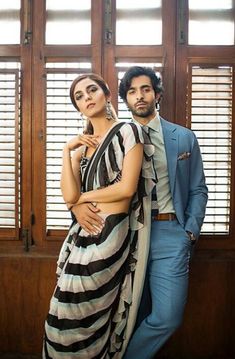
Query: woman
{"x": 90, "y": 308}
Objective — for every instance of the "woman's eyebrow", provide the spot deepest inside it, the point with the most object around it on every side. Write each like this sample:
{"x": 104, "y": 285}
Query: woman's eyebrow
{"x": 89, "y": 86}
{"x": 87, "y": 89}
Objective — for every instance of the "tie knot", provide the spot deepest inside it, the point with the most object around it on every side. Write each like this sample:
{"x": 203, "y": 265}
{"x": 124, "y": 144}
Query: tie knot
{"x": 146, "y": 129}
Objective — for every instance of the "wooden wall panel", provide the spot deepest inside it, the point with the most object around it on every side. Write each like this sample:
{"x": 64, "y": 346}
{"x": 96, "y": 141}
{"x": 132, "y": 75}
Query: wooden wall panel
{"x": 207, "y": 332}
{"x": 208, "y": 327}
{"x": 26, "y": 287}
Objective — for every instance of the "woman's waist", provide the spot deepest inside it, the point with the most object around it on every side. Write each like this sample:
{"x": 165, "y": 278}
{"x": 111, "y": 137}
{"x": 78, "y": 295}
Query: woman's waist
{"x": 114, "y": 207}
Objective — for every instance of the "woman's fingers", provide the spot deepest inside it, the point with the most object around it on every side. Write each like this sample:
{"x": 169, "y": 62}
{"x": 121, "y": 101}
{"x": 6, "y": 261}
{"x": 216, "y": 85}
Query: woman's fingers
{"x": 87, "y": 140}
{"x": 90, "y": 140}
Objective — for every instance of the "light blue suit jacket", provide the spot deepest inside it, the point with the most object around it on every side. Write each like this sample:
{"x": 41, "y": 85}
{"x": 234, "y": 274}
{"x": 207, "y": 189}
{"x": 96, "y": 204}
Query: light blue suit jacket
{"x": 186, "y": 175}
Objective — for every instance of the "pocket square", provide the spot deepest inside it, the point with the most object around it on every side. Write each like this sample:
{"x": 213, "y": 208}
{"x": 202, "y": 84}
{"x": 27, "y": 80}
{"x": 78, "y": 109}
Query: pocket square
{"x": 184, "y": 155}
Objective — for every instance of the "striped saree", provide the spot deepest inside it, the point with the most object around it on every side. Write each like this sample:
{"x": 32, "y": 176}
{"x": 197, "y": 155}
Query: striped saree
{"x": 92, "y": 311}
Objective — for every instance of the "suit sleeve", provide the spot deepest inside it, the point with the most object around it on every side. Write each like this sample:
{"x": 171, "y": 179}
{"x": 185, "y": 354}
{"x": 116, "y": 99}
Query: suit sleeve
{"x": 198, "y": 192}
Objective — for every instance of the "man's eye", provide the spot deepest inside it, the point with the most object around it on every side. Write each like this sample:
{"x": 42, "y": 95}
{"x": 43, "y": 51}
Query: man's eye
{"x": 146, "y": 89}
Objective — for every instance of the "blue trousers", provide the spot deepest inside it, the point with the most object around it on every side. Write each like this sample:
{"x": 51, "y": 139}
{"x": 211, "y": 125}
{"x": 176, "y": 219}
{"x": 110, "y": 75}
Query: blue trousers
{"x": 167, "y": 279}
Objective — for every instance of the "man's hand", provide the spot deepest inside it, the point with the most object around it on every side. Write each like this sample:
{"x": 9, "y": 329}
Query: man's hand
{"x": 87, "y": 217}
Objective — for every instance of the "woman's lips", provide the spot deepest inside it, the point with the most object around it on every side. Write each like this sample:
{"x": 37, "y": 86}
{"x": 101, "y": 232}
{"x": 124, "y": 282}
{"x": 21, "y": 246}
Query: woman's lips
{"x": 90, "y": 105}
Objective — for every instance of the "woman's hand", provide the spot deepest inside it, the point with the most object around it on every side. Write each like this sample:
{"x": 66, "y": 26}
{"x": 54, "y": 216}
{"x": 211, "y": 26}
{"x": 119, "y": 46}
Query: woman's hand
{"x": 79, "y": 140}
{"x": 88, "y": 218}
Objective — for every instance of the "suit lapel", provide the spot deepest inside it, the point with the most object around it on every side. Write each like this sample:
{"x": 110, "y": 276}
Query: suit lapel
{"x": 171, "y": 145}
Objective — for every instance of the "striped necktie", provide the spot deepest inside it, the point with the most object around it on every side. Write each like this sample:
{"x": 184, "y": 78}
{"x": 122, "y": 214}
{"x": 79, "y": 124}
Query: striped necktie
{"x": 154, "y": 204}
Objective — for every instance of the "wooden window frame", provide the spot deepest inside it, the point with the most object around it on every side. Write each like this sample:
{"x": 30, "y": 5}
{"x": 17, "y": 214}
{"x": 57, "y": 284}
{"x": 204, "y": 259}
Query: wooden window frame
{"x": 175, "y": 55}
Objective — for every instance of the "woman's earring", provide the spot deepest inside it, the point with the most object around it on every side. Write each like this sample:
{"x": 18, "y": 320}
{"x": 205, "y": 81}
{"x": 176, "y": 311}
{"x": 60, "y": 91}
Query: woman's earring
{"x": 82, "y": 120}
{"x": 82, "y": 116}
{"x": 109, "y": 114}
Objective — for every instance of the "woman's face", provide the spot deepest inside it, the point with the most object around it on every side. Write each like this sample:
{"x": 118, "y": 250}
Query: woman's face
{"x": 89, "y": 98}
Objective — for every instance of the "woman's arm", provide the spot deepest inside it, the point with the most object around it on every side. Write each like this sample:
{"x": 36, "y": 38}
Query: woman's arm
{"x": 70, "y": 182}
{"x": 126, "y": 187}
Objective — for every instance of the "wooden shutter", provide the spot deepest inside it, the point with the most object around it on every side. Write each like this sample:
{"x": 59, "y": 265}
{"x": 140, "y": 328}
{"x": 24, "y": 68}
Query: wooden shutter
{"x": 9, "y": 153}
{"x": 211, "y": 120}
{"x": 62, "y": 123}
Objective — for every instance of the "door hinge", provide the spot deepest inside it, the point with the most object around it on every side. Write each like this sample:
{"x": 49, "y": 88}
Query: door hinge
{"x": 182, "y": 16}
{"x": 108, "y": 22}
{"x": 27, "y": 22}
{"x": 27, "y": 239}
{"x": 32, "y": 218}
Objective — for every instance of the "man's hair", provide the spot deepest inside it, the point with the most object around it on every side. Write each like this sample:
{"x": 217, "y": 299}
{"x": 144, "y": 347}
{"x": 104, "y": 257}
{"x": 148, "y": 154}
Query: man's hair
{"x": 136, "y": 71}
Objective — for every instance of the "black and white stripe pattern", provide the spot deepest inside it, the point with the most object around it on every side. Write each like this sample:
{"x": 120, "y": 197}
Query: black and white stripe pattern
{"x": 87, "y": 295}
{"x": 89, "y": 308}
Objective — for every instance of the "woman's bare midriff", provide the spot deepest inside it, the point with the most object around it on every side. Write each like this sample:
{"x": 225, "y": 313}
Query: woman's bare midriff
{"x": 114, "y": 207}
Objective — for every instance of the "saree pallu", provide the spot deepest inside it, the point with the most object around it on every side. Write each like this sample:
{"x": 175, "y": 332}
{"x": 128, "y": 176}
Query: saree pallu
{"x": 94, "y": 305}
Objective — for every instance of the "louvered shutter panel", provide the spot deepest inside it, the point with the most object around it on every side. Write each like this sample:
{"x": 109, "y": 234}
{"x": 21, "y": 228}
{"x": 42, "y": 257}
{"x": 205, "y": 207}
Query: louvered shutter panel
{"x": 9, "y": 153}
{"x": 211, "y": 120}
{"x": 62, "y": 123}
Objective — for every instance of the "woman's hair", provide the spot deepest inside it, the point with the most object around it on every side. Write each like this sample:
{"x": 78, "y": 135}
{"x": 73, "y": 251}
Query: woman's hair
{"x": 136, "y": 71}
{"x": 100, "y": 82}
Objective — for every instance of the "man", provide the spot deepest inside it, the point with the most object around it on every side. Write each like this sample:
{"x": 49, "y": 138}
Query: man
{"x": 177, "y": 220}
{"x": 181, "y": 203}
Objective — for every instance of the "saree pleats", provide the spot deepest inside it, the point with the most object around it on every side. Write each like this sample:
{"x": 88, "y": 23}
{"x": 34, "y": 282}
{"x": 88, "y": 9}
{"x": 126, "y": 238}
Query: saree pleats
{"x": 86, "y": 307}
{"x": 94, "y": 305}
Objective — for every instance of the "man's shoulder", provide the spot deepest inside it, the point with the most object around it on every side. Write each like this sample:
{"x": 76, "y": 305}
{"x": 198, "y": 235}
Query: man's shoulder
{"x": 176, "y": 127}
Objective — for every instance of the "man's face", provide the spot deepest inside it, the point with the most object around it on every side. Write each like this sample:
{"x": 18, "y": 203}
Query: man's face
{"x": 141, "y": 98}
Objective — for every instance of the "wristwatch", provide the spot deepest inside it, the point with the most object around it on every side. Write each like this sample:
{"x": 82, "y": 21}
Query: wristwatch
{"x": 192, "y": 237}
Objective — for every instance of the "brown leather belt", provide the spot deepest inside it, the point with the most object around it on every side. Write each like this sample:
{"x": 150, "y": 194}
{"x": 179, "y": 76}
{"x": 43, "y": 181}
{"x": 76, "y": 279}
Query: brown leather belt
{"x": 164, "y": 217}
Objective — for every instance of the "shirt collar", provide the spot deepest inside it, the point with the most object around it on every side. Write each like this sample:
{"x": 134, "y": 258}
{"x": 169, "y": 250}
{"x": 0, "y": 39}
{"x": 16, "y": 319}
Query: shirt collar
{"x": 154, "y": 124}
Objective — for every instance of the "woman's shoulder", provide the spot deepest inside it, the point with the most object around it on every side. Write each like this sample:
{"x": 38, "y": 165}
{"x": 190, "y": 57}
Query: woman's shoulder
{"x": 129, "y": 135}
{"x": 131, "y": 124}
{"x": 130, "y": 127}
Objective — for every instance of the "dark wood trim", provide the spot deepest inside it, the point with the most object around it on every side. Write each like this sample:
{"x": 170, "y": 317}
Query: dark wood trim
{"x": 9, "y": 51}
{"x": 97, "y": 19}
{"x": 38, "y": 126}
{"x": 26, "y": 138}
{"x": 167, "y": 106}
{"x": 216, "y": 52}
{"x": 139, "y": 52}
{"x": 214, "y": 255}
{"x": 65, "y": 51}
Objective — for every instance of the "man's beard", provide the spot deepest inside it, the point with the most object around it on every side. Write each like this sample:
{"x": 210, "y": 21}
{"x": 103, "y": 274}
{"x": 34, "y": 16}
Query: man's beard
{"x": 144, "y": 112}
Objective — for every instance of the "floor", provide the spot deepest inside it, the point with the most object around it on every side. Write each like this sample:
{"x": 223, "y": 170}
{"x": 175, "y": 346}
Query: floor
{"x": 38, "y": 356}
{"x": 20, "y": 356}
{"x": 31, "y": 356}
